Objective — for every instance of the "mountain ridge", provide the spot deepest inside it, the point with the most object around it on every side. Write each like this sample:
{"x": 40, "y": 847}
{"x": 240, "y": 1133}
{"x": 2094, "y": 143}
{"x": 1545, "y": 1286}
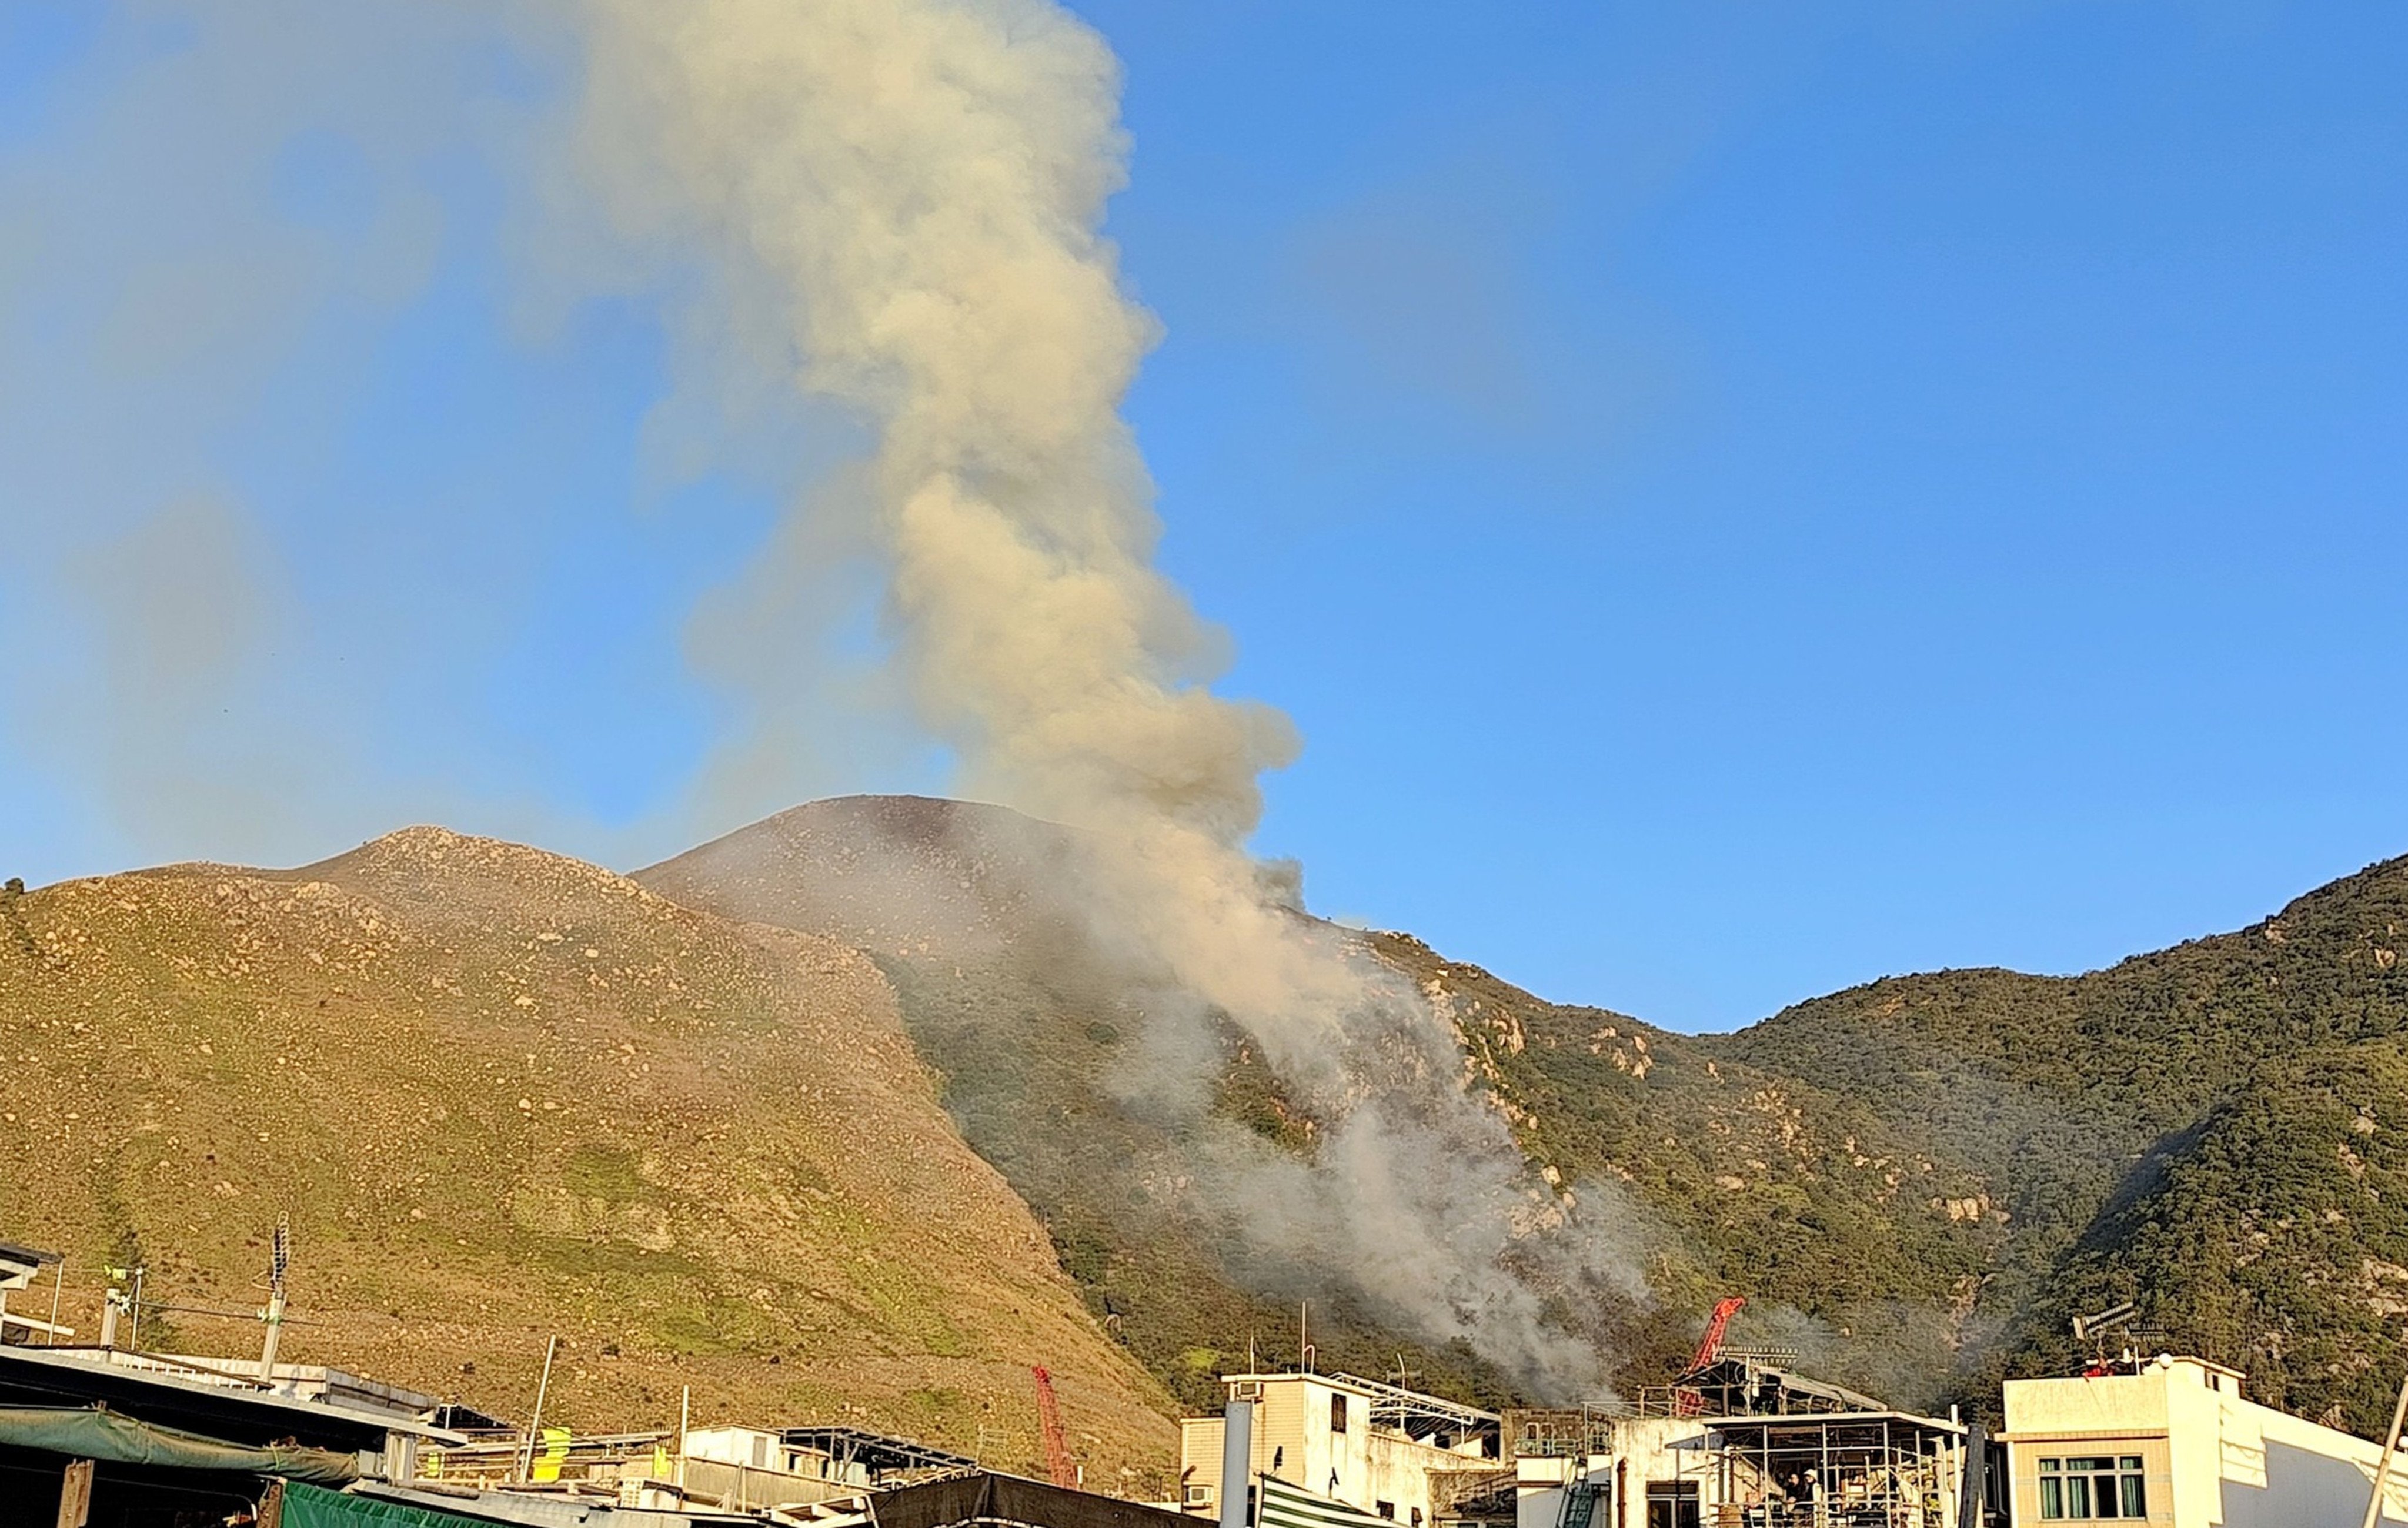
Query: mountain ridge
{"x": 1905, "y": 1202}
{"x": 1917, "y": 1180}
{"x": 502, "y": 1094}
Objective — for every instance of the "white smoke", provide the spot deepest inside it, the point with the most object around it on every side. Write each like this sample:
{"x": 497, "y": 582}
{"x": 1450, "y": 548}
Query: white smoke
{"x": 886, "y": 209}
{"x": 905, "y": 197}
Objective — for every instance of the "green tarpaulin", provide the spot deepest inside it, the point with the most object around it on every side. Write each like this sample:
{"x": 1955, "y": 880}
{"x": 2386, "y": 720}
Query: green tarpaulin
{"x": 307, "y": 1507}
{"x": 87, "y": 1432}
{"x": 1285, "y": 1505}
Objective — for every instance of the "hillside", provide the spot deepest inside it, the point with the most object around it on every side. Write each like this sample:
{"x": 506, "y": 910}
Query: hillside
{"x": 1024, "y": 1018}
{"x": 1917, "y": 1181}
{"x": 703, "y": 1126}
{"x": 1854, "y": 1242}
{"x": 2206, "y": 1128}
{"x": 1710, "y": 1175}
{"x": 502, "y": 1095}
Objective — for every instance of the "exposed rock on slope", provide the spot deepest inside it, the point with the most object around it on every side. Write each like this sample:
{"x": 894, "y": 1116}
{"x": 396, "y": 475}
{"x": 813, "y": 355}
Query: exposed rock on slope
{"x": 1704, "y": 1176}
{"x": 1031, "y": 1022}
{"x": 1916, "y": 1181}
{"x": 504, "y": 1093}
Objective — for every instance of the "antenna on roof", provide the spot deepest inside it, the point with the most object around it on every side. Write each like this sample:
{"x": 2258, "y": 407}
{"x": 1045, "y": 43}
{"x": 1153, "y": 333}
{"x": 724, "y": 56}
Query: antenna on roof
{"x": 2091, "y": 1329}
{"x": 279, "y": 1259}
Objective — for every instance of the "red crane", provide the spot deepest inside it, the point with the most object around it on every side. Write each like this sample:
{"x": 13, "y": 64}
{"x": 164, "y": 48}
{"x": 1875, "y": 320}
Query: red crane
{"x": 1058, "y": 1463}
{"x": 1710, "y": 1347}
{"x": 1688, "y": 1401}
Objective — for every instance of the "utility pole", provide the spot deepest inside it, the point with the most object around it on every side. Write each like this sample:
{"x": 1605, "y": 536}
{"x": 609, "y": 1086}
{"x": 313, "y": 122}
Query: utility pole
{"x": 543, "y": 1389}
{"x": 113, "y": 1303}
{"x": 279, "y": 1258}
{"x": 685, "y": 1424}
{"x": 2383, "y": 1466}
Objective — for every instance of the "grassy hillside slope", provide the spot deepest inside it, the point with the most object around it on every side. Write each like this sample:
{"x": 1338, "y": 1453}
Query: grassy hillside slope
{"x": 1713, "y": 1174}
{"x": 503, "y": 1093}
{"x": 1917, "y": 1181}
{"x": 1024, "y": 1021}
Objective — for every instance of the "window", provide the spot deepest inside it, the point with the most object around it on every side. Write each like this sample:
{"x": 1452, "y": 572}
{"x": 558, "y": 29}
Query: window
{"x": 1338, "y": 1413}
{"x": 1386, "y": 1509}
{"x": 2093, "y": 1486}
{"x": 1672, "y": 1504}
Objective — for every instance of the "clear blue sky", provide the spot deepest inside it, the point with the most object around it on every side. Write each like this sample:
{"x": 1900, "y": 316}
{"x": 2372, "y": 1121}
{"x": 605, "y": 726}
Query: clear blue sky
{"x": 1738, "y": 502}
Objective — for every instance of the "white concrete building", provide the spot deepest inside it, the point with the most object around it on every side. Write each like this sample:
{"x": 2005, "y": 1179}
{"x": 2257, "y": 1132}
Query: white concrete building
{"x": 2173, "y": 1440}
{"x": 1393, "y": 1453}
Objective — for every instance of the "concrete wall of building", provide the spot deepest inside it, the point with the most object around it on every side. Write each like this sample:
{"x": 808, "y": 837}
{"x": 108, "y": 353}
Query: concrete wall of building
{"x": 1539, "y": 1491}
{"x": 1400, "y": 1471}
{"x": 2212, "y": 1458}
{"x": 754, "y": 1447}
{"x": 1201, "y": 1442}
{"x": 1296, "y": 1440}
{"x": 1647, "y": 1451}
{"x": 1284, "y": 1437}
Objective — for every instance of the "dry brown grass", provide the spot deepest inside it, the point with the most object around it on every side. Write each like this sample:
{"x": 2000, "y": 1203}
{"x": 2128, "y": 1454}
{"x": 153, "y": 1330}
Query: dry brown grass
{"x": 503, "y": 1093}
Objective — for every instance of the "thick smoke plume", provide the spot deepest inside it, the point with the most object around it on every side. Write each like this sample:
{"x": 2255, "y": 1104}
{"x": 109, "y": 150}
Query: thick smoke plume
{"x": 234, "y": 640}
{"x": 905, "y": 196}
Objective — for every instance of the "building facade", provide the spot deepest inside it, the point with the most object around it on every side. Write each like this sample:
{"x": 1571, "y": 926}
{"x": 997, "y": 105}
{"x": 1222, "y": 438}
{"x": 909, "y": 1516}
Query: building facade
{"x": 1391, "y": 1453}
{"x": 2173, "y": 1440}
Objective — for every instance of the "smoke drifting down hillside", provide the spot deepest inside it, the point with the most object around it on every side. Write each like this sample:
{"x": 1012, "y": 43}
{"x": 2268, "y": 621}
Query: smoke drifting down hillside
{"x": 906, "y": 199}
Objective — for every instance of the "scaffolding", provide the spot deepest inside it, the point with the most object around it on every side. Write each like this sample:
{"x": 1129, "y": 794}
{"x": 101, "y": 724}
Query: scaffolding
{"x": 1833, "y": 1470}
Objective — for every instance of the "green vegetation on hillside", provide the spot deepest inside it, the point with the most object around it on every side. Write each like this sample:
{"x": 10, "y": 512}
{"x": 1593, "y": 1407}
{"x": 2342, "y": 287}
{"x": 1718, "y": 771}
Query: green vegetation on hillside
{"x": 1710, "y": 1176}
{"x": 1916, "y": 1182}
{"x": 2128, "y": 1118}
{"x": 532, "y": 1096}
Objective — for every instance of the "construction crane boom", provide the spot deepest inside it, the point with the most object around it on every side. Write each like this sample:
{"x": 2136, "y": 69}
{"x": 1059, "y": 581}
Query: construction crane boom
{"x": 1058, "y": 1463}
{"x": 1688, "y": 1401}
{"x": 1710, "y": 1347}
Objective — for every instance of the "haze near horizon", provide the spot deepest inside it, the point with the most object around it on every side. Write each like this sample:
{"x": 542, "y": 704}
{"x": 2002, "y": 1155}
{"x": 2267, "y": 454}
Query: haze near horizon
{"x": 1733, "y": 507}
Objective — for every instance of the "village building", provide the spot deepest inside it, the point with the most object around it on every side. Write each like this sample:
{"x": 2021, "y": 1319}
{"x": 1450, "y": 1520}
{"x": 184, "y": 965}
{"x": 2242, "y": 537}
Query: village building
{"x": 1740, "y": 1443}
{"x": 104, "y": 1437}
{"x": 797, "y": 1469}
{"x": 1332, "y": 1449}
{"x": 2173, "y": 1440}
